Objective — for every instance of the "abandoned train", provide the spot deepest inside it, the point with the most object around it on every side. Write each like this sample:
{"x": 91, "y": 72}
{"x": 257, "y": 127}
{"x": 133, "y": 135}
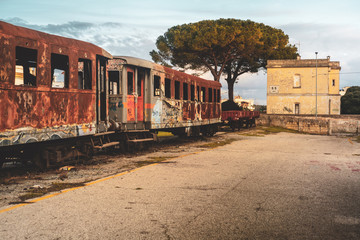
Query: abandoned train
{"x": 61, "y": 98}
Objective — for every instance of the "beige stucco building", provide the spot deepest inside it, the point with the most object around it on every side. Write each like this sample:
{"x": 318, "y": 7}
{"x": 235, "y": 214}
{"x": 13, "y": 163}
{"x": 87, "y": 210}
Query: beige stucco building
{"x": 291, "y": 87}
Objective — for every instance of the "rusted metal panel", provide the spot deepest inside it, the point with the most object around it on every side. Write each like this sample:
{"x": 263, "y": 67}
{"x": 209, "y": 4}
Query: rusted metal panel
{"x": 39, "y": 111}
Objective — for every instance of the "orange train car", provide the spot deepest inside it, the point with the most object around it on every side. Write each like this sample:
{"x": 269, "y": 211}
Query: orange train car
{"x": 145, "y": 95}
{"x": 50, "y": 89}
{"x": 61, "y": 98}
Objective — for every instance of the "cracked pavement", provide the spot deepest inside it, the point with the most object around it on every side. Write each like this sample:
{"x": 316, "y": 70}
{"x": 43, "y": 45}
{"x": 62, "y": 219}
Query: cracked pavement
{"x": 278, "y": 186}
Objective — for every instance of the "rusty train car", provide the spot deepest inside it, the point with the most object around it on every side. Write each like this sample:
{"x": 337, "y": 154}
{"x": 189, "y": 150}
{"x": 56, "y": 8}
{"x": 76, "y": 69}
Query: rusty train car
{"x": 61, "y": 98}
{"x": 145, "y": 95}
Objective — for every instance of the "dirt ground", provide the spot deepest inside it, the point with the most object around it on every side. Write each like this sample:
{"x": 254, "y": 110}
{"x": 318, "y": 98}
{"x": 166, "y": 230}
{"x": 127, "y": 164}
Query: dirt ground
{"x": 20, "y": 184}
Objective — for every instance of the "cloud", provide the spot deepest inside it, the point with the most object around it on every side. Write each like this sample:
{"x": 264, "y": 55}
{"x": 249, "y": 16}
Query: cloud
{"x": 112, "y": 36}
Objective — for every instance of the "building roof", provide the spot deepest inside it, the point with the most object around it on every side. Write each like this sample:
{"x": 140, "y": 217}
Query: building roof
{"x": 295, "y": 63}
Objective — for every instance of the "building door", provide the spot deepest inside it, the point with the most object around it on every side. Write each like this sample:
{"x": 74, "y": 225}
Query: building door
{"x": 297, "y": 108}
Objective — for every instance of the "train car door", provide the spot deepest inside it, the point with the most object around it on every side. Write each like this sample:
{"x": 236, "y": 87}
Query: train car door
{"x": 140, "y": 95}
{"x": 101, "y": 106}
{"x": 130, "y": 95}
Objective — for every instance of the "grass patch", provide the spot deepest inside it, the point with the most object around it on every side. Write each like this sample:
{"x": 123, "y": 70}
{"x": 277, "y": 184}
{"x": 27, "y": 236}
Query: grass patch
{"x": 268, "y": 130}
{"x": 57, "y": 186}
{"x": 254, "y": 134}
{"x": 218, "y": 144}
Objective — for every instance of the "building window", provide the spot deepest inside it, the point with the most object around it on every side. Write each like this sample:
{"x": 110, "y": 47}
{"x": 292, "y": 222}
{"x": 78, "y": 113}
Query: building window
{"x": 297, "y": 108}
{"x": 84, "y": 74}
{"x": 59, "y": 71}
{"x": 156, "y": 85}
{"x": 333, "y": 82}
{"x": 185, "y": 91}
{"x": 177, "y": 90}
{"x": 167, "y": 88}
{"x": 114, "y": 82}
{"x": 26, "y": 63}
{"x": 297, "y": 81}
{"x": 274, "y": 89}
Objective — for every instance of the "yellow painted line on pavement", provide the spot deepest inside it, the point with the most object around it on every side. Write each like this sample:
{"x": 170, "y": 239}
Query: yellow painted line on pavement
{"x": 94, "y": 182}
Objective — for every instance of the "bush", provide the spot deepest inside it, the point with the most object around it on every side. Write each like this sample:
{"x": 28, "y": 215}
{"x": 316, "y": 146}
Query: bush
{"x": 350, "y": 102}
{"x": 230, "y": 106}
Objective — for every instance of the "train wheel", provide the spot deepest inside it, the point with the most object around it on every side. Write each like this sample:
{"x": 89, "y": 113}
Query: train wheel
{"x": 232, "y": 126}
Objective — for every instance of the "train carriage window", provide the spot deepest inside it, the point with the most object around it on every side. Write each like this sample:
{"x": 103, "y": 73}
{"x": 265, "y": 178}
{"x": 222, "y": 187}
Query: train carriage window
{"x": 130, "y": 79}
{"x": 218, "y": 96}
{"x": 141, "y": 77}
{"x": 59, "y": 71}
{"x": 203, "y": 94}
{"x": 156, "y": 85}
{"x": 114, "y": 82}
{"x": 192, "y": 92}
{"x": 198, "y": 93}
{"x": 185, "y": 91}
{"x": 210, "y": 95}
{"x": 26, "y": 63}
{"x": 167, "y": 88}
{"x": 84, "y": 74}
{"x": 215, "y": 95}
{"x": 177, "y": 90}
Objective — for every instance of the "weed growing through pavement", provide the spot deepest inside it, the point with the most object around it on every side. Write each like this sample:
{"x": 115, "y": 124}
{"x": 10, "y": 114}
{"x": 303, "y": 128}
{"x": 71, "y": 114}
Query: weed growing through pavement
{"x": 153, "y": 160}
{"x": 56, "y": 186}
{"x": 218, "y": 144}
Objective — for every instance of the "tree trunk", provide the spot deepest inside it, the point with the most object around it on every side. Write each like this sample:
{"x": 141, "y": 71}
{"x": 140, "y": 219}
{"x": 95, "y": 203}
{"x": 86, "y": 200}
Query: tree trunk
{"x": 230, "y": 89}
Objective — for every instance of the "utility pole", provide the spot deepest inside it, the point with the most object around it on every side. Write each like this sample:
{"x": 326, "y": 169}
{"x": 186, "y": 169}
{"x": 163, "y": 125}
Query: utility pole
{"x": 316, "y": 53}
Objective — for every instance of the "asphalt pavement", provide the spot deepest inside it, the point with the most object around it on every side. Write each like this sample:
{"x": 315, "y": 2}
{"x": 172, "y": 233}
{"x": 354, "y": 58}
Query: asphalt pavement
{"x": 278, "y": 186}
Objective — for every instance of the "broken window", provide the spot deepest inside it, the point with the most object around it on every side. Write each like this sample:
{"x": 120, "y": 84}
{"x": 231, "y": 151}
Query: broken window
{"x": 185, "y": 91}
{"x": 192, "y": 92}
{"x": 210, "y": 95}
{"x": 177, "y": 90}
{"x": 59, "y": 71}
{"x": 156, "y": 85}
{"x": 114, "y": 82}
{"x": 26, "y": 63}
{"x": 130, "y": 85}
{"x": 84, "y": 74}
{"x": 167, "y": 88}
{"x": 203, "y": 99}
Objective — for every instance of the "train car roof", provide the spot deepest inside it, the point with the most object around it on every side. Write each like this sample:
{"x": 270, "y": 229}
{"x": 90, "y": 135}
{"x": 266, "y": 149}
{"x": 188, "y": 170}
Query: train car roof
{"x": 12, "y": 30}
{"x": 151, "y": 65}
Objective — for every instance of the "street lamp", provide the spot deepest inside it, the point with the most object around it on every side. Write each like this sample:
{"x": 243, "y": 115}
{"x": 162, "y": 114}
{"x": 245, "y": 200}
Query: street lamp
{"x": 316, "y": 53}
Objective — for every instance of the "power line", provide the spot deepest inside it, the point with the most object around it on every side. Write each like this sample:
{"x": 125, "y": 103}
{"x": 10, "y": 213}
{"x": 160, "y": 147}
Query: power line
{"x": 350, "y": 73}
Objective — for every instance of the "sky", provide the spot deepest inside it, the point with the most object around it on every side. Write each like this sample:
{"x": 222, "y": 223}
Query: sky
{"x": 130, "y": 28}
